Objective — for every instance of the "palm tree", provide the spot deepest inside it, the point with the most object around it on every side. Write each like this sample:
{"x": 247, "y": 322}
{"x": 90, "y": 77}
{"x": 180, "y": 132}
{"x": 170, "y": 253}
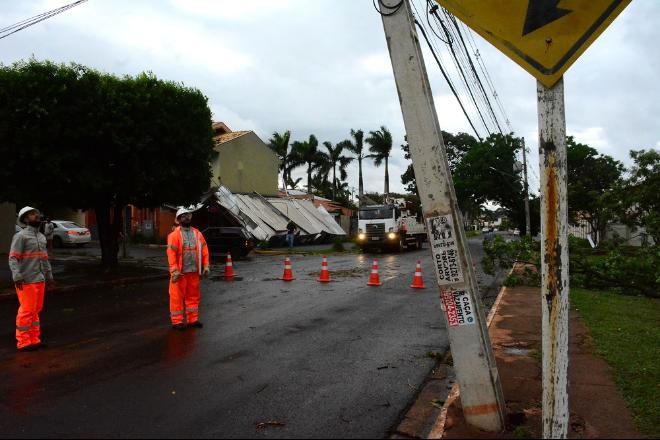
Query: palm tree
{"x": 279, "y": 143}
{"x": 306, "y": 152}
{"x": 381, "y": 146}
{"x": 336, "y": 159}
{"x": 358, "y": 149}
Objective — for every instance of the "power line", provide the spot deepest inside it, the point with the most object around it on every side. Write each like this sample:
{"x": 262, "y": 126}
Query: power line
{"x": 446, "y": 77}
{"x": 12, "y": 29}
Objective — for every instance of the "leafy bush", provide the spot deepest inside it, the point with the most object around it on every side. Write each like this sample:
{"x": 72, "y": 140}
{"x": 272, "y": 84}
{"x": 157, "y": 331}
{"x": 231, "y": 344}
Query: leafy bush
{"x": 629, "y": 271}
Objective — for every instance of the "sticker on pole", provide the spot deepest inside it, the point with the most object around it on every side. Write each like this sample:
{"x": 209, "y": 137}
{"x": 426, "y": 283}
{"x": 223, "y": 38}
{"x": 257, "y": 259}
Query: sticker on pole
{"x": 445, "y": 250}
{"x": 458, "y": 306}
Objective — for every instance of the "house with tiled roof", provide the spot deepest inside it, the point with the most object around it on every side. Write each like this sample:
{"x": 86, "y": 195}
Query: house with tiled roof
{"x": 244, "y": 163}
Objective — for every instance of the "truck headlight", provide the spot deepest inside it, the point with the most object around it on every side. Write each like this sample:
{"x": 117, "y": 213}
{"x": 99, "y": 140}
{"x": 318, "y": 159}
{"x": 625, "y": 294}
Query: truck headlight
{"x": 361, "y": 236}
{"x": 391, "y": 235}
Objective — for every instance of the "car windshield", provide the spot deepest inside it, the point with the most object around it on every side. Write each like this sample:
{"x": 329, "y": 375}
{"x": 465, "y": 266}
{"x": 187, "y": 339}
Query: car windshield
{"x": 376, "y": 213}
{"x": 70, "y": 225}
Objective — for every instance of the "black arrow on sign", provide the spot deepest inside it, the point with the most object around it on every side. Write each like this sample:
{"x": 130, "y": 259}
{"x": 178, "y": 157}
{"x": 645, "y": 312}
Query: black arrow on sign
{"x": 541, "y": 13}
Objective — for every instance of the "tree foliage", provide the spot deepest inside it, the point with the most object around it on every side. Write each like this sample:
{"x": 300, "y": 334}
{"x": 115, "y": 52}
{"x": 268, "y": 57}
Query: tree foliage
{"x": 592, "y": 180}
{"x": 74, "y": 137}
{"x": 380, "y": 142}
{"x": 639, "y": 197}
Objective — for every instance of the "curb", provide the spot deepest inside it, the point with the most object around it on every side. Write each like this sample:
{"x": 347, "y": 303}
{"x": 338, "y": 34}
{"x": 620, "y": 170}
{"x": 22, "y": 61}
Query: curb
{"x": 97, "y": 284}
{"x": 438, "y": 429}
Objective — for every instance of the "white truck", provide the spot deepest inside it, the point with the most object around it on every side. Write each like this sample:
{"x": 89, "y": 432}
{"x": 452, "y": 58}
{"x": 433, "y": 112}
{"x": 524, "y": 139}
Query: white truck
{"x": 390, "y": 226}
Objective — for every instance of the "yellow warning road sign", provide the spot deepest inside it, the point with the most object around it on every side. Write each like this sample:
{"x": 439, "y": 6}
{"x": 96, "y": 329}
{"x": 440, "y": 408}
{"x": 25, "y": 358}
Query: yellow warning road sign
{"x": 543, "y": 36}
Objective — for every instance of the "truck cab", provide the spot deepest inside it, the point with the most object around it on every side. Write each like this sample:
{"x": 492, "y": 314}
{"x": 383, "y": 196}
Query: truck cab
{"x": 389, "y": 226}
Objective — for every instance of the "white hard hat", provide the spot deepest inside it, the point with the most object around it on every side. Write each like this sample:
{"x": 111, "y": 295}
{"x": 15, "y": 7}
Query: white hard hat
{"x": 24, "y": 211}
{"x": 182, "y": 211}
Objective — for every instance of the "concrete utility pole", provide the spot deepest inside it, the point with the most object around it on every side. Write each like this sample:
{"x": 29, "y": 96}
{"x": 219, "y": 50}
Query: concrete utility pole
{"x": 481, "y": 394}
{"x": 554, "y": 258}
{"x": 528, "y": 226}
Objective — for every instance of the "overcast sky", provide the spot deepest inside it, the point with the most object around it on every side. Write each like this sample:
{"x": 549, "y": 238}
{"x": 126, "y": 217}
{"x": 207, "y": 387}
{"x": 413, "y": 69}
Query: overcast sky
{"x": 322, "y": 67}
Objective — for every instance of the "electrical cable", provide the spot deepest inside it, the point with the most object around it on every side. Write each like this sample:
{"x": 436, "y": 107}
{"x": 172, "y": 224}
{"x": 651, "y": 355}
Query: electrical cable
{"x": 437, "y": 60}
{"x": 23, "y": 24}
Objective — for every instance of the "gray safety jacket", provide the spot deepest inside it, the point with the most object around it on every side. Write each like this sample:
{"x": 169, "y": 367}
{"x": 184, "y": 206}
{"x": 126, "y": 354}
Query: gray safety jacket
{"x": 28, "y": 257}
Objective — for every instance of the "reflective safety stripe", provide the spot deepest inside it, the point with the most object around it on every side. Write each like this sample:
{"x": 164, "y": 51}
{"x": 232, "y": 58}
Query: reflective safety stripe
{"x": 36, "y": 324}
{"x": 23, "y": 329}
{"x": 192, "y": 310}
{"x": 176, "y": 313}
{"x": 27, "y": 255}
{"x": 174, "y": 248}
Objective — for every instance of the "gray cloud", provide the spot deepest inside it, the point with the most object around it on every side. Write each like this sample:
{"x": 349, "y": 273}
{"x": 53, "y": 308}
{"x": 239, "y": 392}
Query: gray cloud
{"x": 322, "y": 67}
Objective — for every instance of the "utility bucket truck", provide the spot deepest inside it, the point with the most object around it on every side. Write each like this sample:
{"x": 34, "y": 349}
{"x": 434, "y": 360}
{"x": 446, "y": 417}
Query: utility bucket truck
{"x": 391, "y": 226}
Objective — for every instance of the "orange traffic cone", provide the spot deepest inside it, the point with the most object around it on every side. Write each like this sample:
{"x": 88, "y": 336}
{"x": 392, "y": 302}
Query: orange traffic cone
{"x": 325, "y": 274}
{"x": 418, "y": 281}
{"x": 288, "y": 273}
{"x": 229, "y": 268}
{"x": 374, "y": 279}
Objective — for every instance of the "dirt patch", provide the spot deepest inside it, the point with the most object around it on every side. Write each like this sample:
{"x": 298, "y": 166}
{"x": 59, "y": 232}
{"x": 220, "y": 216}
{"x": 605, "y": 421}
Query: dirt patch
{"x": 348, "y": 273}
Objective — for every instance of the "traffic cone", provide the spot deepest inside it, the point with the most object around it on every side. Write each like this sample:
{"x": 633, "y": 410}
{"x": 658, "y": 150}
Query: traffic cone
{"x": 325, "y": 274}
{"x": 229, "y": 268}
{"x": 418, "y": 281}
{"x": 374, "y": 279}
{"x": 288, "y": 273}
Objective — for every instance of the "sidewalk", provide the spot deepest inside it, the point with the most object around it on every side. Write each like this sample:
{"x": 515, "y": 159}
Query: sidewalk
{"x": 596, "y": 405}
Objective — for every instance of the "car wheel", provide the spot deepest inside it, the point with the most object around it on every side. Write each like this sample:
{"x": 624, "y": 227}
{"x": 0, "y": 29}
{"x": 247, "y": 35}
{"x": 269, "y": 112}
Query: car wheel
{"x": 57, "y": 242}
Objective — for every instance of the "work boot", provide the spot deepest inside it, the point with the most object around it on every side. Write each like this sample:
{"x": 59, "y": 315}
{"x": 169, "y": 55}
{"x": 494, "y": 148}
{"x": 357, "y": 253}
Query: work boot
{"x": 28, "y": 348}
{"x": 179, "y": 327}
{"x": 195, "y": 324}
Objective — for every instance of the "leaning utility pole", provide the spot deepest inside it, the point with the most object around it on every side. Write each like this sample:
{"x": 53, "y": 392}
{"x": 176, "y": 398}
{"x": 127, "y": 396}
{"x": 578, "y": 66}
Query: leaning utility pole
{"x": 476, "y": 371}
{"x": 528, "y": 226}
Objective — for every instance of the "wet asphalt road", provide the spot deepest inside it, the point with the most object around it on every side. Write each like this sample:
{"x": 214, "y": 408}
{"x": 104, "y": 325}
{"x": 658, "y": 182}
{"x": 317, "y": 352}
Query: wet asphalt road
{"x": 326, "y": 360}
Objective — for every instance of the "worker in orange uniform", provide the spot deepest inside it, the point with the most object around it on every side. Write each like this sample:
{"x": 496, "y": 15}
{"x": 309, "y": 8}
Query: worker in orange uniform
{"x": 188, "y": 258}
{"x": 30, "y": 269}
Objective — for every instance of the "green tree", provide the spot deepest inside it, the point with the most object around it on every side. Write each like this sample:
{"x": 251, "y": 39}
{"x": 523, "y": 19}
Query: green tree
{"x": 338, "y": 161}
{"x": 639, "y": 198}
{"x": 380, "y": 142}
{"x": 77, "y": 138}
{"x": 592, "y": 179}
{"x": 307, "y": 153}
{"x": 279, "y": 143}
{"x": 357, "y": 147}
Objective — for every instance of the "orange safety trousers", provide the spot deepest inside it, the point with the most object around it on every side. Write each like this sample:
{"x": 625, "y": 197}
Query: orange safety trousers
{"x": 28, "y": 326}
{"x": 184, "y": 298}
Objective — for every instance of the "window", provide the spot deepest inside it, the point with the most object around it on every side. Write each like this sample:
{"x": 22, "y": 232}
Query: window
{"x": 376, "y": 213}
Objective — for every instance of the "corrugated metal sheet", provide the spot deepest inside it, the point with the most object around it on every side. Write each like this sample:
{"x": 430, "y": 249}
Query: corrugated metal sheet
{"x": 267, "y": 218}
{"x": 261, "y": 208}
{"x": 290, "y": 209}
{"x": 244, "y": 214}
{"x": 330, "y": 221}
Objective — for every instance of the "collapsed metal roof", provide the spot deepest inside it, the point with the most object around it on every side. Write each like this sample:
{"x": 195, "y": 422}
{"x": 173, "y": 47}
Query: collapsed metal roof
{"x": 267, "y": 218}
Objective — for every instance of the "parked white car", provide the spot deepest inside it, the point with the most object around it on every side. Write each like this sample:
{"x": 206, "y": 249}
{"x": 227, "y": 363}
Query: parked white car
{"x": 516, "y": 232}
{"x": 70, "y": 233}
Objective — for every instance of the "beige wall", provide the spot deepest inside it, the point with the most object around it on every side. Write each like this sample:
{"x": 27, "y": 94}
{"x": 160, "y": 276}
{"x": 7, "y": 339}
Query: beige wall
{"x": 7, "y": 222}
{"x": 246, "y": 164}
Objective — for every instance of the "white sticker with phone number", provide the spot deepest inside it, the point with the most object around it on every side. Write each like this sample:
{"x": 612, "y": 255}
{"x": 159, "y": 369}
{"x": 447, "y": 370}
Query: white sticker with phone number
{"x": 445, "y": 250}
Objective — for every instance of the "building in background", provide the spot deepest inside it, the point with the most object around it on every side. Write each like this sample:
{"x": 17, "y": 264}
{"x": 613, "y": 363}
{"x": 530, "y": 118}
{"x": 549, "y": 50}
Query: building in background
{"x": 244, "y": 163}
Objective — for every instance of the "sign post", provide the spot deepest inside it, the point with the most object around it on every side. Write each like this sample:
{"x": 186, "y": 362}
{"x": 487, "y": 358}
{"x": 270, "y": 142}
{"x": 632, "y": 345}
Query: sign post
{"x": 554, "y": 258}
{"x": 545, "y": 37}
{"x": 481, "y": 394}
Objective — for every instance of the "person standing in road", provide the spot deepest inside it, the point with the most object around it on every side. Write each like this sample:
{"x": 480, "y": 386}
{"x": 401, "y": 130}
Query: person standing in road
{"x": 290, "y": 234}
{"x": 49, "y": 228}
{"x": 31, "y": 271}
{"x": 188, "y": 258}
